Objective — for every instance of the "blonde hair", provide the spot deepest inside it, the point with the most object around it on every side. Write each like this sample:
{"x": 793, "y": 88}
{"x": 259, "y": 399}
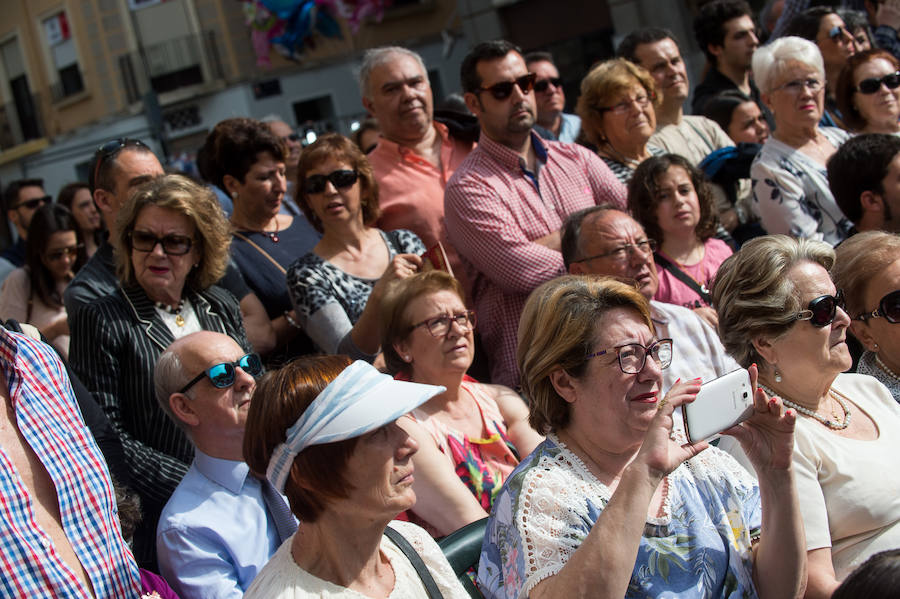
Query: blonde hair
{"x": 858, "y": 260}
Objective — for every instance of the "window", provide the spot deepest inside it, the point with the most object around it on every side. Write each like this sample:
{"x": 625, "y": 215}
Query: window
{"x": 64, "y": 57}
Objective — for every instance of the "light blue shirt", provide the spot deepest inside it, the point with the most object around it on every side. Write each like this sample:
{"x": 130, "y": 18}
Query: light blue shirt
{"x": 569, "y": 127}
{"x": 215, "y": 533}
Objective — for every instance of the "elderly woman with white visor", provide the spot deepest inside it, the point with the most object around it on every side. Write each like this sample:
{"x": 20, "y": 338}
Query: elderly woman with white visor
{"x": 325, "y": 434}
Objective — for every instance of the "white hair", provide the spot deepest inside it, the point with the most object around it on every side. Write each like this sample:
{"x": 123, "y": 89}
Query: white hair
{"x": 771, "y": 60}
{"x": 375, "y": 57}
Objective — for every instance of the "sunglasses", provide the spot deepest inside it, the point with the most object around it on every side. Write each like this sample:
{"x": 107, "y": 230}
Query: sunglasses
{"x": 821, "y": 311}
{"x": 34, "y": 203}
{"x": 873, "y": 84}
{"x": 222, "y": 375}
{"x": 292, "y": 137}
{"x": 544, "y": 84}
{"x": 69, "y": 252}
{"x": 503, "y": 90}
{"x": 173, "y": 245}
{"x": 888, "y": 308}
{"x": 838, "y": 31}
{"x": 341, "y": 179}
{"x": 110, "y": 149}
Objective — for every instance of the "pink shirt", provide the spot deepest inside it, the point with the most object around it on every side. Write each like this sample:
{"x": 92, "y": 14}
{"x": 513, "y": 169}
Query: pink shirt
{"x": 411, "y": 189}
{"x": 673, "y": 291}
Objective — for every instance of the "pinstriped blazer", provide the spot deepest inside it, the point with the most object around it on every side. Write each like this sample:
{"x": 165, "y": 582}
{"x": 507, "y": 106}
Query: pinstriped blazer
{"x": 115, "y": 344}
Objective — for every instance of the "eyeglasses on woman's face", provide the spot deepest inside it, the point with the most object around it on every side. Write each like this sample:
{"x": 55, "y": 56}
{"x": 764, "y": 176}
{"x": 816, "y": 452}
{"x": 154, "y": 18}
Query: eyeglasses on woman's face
{"x": 632, "y": 357}
{"x": 173, "y": 245}
{"x": 439, "y": 326}
{"x": 341, "y": 179}
{"x": 796, "y": 86}
{"x": 61, "y": 253}
{"x": 822, "y": 310}
{"x": 888, "y": 308}
{"x": 873, "y": 84}
{"x": 625, "y": 106}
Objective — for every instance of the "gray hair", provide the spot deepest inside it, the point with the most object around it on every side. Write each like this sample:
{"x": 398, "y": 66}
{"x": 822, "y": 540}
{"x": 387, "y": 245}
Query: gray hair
{"x": 771, "y": 60}
{"x": 753, "y": 295}
{"x": 375, "y": 57}
{"x": 168, "y": 377}
{"x": 273, "y": 118}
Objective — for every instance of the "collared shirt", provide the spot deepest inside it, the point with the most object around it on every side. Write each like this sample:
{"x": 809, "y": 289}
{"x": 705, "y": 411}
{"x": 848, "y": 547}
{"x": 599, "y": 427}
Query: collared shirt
{"x": 48, "y": 419}
{"x": 569, "y": 128}
{"x": 494, "y": 212}
{"x": 215, "y": 534}
{"x": 411, "y": 189}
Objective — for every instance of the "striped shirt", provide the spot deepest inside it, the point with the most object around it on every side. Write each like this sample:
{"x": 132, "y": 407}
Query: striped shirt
{"x": 48, "y": 418}
{"x": 495, "y": 209}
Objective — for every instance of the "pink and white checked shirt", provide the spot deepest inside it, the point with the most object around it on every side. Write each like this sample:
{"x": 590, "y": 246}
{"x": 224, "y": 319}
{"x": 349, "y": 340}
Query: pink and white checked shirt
{"x": 494, "y": 211}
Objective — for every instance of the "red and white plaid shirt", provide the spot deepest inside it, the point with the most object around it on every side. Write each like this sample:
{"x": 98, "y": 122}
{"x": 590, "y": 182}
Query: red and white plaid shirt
{"x": 494, "y": 211}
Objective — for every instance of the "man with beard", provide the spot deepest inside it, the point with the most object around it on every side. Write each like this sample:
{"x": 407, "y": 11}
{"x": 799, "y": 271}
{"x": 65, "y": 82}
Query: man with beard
{"x": 507, "y": 201}
{"x": 220, "y": 527}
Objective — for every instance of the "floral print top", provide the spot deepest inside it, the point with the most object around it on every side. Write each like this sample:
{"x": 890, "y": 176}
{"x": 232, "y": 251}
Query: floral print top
{"x": 700, "y": 547}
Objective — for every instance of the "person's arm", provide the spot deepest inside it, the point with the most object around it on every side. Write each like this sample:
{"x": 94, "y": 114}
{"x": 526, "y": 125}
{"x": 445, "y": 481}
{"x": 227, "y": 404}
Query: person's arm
{"x": 777, "y": 198}
{"x": 822, "y": 579}
{"x": 602, "y": 565}
{"x": 606, "y": 187}
{"x": 442, "y": 499}
{"x": 260, "y": 331}
{"x": 196, "y": 565}
{"x": 515, "y": 414}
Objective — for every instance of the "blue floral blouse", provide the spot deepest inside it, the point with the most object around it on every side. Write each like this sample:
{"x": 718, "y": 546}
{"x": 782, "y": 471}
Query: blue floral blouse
{"x": 700, "y": 547}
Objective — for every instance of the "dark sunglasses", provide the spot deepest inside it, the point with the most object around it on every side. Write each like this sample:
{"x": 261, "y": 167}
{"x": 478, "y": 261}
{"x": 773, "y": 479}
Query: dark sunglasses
{"x": 888, "y": 308}
{"x": 292, "y": 137}
{"x": 873, "y": 84}
{"x": 222, "y": 375}
{"x": 503, "y": 90}
{"x": 340, "y": 179}
{"x": 69, "y": 252}
{"x": 837, "y": 31}
{"x": 544, "y": 84}
{"x": 822, "y": 310}
{"x": 173, "y": 245}
{"x": 34, "y": 203}
{"x": 110, "y": 149}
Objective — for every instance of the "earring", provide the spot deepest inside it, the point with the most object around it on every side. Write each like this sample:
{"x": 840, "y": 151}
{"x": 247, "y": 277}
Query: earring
{"x": 234, "y": 195}
{"x": 406, "y": 358}
{"x": 875, "y": 347}
{"x": 777, "y": 376}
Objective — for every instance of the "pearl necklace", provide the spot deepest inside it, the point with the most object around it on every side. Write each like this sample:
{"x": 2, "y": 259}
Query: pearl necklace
{"x": 176, "y": 310}
{"x": 886, "y": 370}
{"x": 832, "y": 424}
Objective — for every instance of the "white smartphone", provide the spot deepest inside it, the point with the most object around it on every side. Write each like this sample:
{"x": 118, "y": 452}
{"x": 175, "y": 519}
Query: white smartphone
{"x": 720, "y": 404}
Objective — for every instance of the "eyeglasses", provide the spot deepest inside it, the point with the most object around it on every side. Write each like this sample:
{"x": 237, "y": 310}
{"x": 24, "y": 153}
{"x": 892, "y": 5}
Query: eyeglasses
{"x": 888, "y": 308}
{"x": 66, "y": 252}
{"x": 623, "y": 252}
{"x": 222, "y": 375}
{"x": 633, "y": 356}
{"x": 873, "y": 84}
{"x": 623, "y": 107}
{"x": 110, "y": 149}
{"x": 173, "y": 245}
{"x": 502, "y": 90}
{"x": 839, "y": 31}
{"x": 439, "y": 326}
{"x": 822, "y": 310}
{"x": 796, "y": 86}
{"x": 544, "y": 84}
{"x": 292, "y": 137}
{"x": 341, "y": 179}
{"x": 34, "y": 203}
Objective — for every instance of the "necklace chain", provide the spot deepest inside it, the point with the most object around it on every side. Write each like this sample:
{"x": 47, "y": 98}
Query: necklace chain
{"x": 832, "y": 424}
{"x": 886, "y": 370}
{"x": 273, "y": 235}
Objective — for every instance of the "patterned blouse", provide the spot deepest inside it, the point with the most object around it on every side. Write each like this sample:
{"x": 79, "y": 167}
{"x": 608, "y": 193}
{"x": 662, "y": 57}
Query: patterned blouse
{"x": 700, "y": 547}
{"x": 868, "y": 364}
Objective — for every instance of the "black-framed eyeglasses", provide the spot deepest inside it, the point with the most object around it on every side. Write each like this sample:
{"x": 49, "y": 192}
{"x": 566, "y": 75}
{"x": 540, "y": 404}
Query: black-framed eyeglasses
{"x": 173, "y": 245}
{"x": 503, "y": 90}
{"x": 66, "y": 252}
{"x": 624, "y": 106}
{"x": 821, "y": 311}
{"x": 223, "y": 375}
{"x": 110, "y": 149}
{"x": 439, "y": 326}
{"x": 34, "y": 203}
{"x": 544, "y": 84}
{"x": 623, "y": 252}
{"x": 341, "y": 179}
{"x": 888, "y": 308}
{"x": 873, "y": 84}
{"x": 633, "y": 356}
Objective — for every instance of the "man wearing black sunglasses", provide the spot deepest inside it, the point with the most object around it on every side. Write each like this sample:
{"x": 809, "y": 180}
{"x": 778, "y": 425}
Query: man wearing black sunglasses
{"x": 506, "y": 203}
{"x": 204, "y": 383}
{"x": 21, "y": 199}
{"x": 551, "y": 98}
{"x": 864, "y": 176}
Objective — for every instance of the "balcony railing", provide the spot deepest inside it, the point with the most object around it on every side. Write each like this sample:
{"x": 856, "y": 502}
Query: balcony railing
{"x": 172, "y": 64}
{"x": 20, "y": 121}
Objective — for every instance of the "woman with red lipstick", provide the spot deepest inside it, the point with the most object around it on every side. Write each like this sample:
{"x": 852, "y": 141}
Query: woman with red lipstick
{"x": 779, "y": 308}
{"x": 614, "y": 503}
{"x": 671, "y": 198}
{"x": 336, "y": 287}
{"x": 472, "y": 435}
{"x": 868, "y": 92}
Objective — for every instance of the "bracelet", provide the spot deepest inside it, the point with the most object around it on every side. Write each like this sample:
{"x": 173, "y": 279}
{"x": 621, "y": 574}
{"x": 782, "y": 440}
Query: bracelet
{"x": 291, "y": 321}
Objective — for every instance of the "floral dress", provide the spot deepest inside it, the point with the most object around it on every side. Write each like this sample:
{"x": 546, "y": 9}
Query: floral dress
{"x": 700, "y": 547}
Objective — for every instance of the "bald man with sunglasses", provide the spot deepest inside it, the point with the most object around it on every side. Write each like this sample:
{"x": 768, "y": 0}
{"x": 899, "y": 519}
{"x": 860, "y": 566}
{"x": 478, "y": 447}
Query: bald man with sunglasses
{"x": 222, "y": 524}
{"x": 506, "y": 203}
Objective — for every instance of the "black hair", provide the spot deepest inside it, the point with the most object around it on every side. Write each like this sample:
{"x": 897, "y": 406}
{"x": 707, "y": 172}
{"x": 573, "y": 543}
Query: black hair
{"x": 721, "y": 107}
{"x": 878, "y": 576}
{"x": 806, "y": 24}
{"x": 647, "y": 35}
{"x": 11, "y": 193}
{"x": 709, "y": 24}
{"x": 47, "y": 220}
{"x": 492, "y": 50}
{"x": 101, "y": 174}
{"x": 539, "y": 56}
{"x": 860, "y": 164}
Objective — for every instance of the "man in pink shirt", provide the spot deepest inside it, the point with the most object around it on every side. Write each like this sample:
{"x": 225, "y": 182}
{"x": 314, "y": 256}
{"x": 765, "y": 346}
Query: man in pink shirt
{"x": 415, "y": 155}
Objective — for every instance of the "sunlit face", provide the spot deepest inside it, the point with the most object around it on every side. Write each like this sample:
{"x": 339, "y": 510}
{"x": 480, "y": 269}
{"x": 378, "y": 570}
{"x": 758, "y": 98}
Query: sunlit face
{"x": 290, "y": 139}
{"x": 510, "y": 118}
{"x": 400, "y": 98}
{"x": 881, "y": 109}
{"x": 634, "y": 125}
{"x": 161, "y": 275}
{"x": 551, "y": 101}
{"x": 84, "y": 211}
{"x": 432, "y": 357}
{"x": 663, "y": 60}
{"x": 132, "y": 168}
{"x": 60, "y": 254}
{"x": 792, "y": 101}
{"x": 335, "y": 205}
{"x": 678, "y": 210}
{"x": 837, "y": 49}
{"x": 263, "y": 186}
{"x": 878, "y": 331}
{"x": 740, "y": 42}
{"x": 748, "y": 124}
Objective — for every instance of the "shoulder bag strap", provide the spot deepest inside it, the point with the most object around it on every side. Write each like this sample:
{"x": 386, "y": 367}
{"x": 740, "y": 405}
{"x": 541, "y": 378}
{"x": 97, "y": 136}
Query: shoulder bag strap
{"x": 260, "y": 250}
{"x": 683, "y": 277}
{"x": 416, "y": 561}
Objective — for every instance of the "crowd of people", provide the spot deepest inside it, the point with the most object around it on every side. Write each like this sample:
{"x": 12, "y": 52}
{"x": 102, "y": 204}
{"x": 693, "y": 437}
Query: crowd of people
{"x": 290, "y": 378}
